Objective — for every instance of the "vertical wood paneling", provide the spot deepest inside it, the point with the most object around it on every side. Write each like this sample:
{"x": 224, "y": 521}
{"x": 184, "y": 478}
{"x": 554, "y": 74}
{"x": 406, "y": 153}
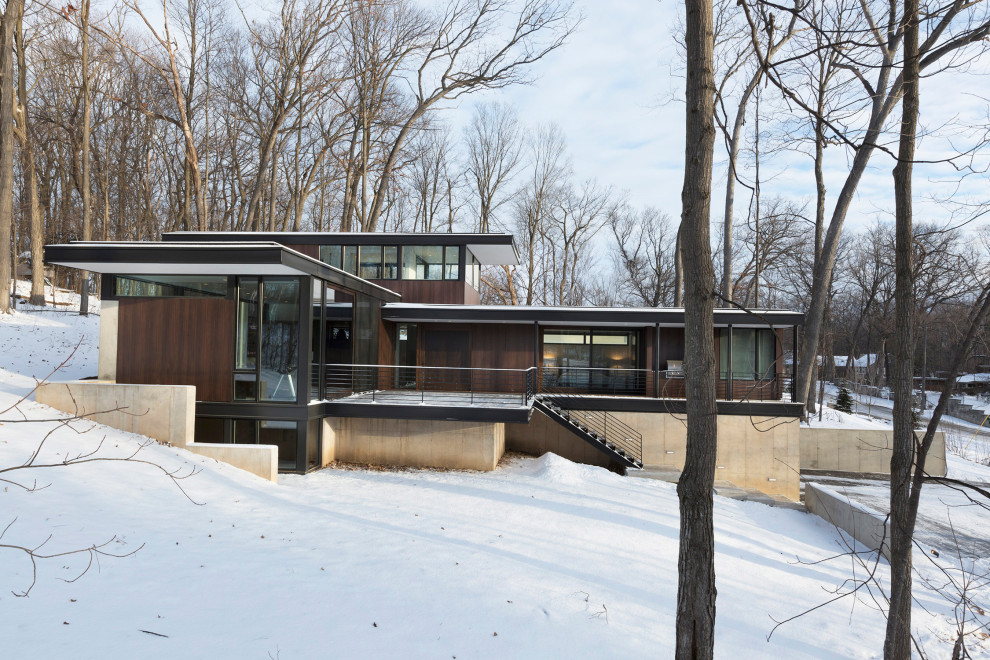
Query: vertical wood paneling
{"x": 177, "y": 341}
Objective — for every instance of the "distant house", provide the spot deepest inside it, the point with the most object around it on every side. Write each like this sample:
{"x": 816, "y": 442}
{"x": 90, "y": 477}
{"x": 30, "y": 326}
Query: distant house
{"x": 868, "y": 368}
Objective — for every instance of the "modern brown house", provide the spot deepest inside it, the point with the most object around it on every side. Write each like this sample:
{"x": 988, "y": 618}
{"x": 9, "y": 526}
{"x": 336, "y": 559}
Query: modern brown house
{"x": 375, "y": 348}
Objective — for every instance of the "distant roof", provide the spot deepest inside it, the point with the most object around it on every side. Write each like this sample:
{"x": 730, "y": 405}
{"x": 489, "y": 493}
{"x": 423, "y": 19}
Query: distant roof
{"x": 613, "y": 316}
{"x": 861, "y": 361}
{"x": 489, "y": 249}
{"x": 240, "y": 258}
{"x": 974, "y": 378}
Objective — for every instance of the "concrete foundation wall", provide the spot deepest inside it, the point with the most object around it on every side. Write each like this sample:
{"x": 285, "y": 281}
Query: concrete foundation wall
{"x": 862, "y": 523}
{"x": 260, "y": 460}
{"x": 859, "y": 451}
{"x": 753, "y": 452}
{"x": 166, "y": 413}
{"x": 163, "y": 412}
{"x": 543, "y": 435}
{"x": 414, "y": 443}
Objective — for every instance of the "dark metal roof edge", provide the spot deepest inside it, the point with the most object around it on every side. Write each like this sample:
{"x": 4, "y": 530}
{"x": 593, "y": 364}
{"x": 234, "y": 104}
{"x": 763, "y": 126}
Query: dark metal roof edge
{"x": 261, "y": 252}
{"x": 570, "y": 315}
{"x": 345, "y": 238}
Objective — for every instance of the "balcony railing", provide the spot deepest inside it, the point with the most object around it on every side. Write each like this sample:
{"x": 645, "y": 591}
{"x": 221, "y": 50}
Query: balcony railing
{"x": 518, "y": 386}
{"x": 461, "y": 385}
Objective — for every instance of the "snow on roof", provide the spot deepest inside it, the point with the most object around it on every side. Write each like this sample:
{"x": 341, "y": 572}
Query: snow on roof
{"x": 862, "y": 361}
{"x": 974, "y": 378}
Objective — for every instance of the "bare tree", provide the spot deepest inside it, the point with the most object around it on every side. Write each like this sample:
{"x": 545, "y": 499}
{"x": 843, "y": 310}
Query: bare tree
{"x": 576, "y": 219}
{"x": 644, "y": 256}
{"x": 695, "y": 627}
{"x": 549, "y": 169}
{"x": 947, "y": 33}
{"x": 468, "y": 52}
{"x": 494, "y": 154}
{"x": 12, "y": 16}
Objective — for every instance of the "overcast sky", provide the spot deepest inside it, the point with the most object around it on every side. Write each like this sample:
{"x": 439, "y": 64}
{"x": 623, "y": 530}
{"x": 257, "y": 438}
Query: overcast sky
{"x": 615, "y": 91}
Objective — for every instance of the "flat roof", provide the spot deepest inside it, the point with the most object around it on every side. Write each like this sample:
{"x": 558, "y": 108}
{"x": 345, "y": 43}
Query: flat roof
{"x": 233, "y": 258}
{"x": 582, "y": 316}
{"x": 489, "y": 249}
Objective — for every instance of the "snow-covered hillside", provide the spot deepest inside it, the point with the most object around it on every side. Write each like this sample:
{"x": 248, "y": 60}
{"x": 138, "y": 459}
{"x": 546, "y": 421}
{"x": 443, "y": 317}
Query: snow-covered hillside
{"x": 542, "y": 558}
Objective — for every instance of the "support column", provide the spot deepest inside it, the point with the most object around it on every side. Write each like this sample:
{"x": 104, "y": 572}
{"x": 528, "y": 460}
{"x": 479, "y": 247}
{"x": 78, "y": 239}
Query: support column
{"x": 107, "y": 362}
{"x": 728, "y": 367}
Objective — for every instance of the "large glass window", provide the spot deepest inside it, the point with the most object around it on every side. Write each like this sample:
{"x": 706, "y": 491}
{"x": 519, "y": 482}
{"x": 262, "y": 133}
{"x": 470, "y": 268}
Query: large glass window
{"x": 246, "y": 349}
{"x": 370, "y": 263}
{"x": 753, "y": 353}
{"x": 330, "y": 255}
{"x": 171, "y": 286}
{"x": 422, "y": 262}
{"x": 593, "y": 359}
{"x": 351, "y": 259}
{"x": 279, "y": 339}
{"x": 390, "y": 264}
{"x": 266, "y": 361}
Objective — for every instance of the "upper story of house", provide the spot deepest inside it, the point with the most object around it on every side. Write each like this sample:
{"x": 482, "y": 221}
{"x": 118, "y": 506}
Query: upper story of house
{"x": 422, "y": 268}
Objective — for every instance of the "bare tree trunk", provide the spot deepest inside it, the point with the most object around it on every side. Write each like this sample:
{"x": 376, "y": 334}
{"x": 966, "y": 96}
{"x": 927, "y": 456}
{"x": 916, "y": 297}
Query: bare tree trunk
{"x": 30, "y": 178}
{"x": 12, "y": 16}
{"x": 678, "y": 271}
{"x": 897, "y": 644}
{"x": 85, "y": 165}
{"x": 730, "y": 187}
{"x": 695, "y": 627}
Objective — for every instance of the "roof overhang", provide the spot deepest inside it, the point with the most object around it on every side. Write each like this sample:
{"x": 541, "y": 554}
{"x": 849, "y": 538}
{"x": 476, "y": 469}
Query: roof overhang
{"x": 489, "y": 249}
{"x": 582, "y": 316}
{"x": 241, "y": 258}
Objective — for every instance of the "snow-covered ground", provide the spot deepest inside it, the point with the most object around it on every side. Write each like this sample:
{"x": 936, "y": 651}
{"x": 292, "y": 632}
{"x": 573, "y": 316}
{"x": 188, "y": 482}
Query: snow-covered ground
{"x": 541, "y": 558}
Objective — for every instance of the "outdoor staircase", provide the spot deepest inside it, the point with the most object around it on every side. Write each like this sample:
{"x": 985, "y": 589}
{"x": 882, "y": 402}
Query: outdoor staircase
{"x": 602, "y": 431}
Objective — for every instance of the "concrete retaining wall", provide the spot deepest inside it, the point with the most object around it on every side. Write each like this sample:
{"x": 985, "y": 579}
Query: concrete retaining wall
{"x": 163, "y": 412}
{"x": 862, "y": 523}
{"x": 753, "y": 452}
{"x": 166, "y": 413}
{"x": 414, "y": 443}
{"x": 863, "y": 451}
{"x": 260, "y": 460}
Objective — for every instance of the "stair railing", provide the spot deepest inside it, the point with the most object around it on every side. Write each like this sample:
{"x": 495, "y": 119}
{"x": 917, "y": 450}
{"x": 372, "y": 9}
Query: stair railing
{"x": 612, "y": 431}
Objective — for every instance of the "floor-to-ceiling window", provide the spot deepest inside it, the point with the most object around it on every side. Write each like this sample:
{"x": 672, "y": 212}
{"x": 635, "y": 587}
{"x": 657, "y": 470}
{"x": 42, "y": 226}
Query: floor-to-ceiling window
{"x": 266, "y": 366}
{"x": 597, "y": 360}
{"x": 753, "y": 354}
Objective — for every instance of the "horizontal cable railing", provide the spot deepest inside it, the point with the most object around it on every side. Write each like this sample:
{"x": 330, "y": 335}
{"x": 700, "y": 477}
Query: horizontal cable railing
{"x": 751, "y": 386}
{"x": 460, "y": 385}
{"x": 597, "y": 380}
{"x": 346, "y": 379}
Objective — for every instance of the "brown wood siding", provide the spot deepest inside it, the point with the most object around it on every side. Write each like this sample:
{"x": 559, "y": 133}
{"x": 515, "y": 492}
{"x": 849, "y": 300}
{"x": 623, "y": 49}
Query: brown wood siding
{"x": 177, "y": 341}
{"x": 446, "y": 345}
{"x": 308, "y": 250}
{"x": 440, "y": 292}
{"x": 386, "y": 343}
{"x": 502, "y": 346}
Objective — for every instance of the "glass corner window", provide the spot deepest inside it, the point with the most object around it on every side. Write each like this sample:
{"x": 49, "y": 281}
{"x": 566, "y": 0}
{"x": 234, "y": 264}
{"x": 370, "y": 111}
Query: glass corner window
{"x": 451, "y": 262}
{"x": 422, "y": 262}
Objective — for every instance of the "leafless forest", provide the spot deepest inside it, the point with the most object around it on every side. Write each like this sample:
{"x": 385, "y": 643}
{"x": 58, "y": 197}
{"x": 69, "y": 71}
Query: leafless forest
{"x": 131, "y": 119}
